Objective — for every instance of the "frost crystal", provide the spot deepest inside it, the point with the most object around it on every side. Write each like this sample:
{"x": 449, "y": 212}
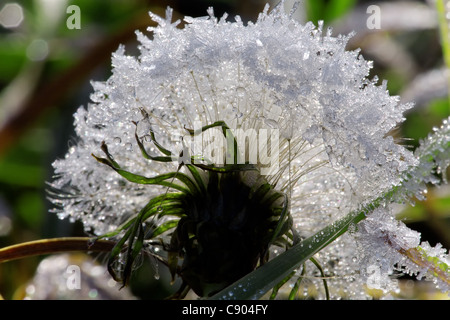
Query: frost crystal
{"x": 380, "y": 239}
{"x": 332, "y": 125}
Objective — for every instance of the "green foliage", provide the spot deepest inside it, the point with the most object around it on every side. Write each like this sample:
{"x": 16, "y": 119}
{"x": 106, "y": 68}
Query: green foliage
{"x": 328, "y": 10}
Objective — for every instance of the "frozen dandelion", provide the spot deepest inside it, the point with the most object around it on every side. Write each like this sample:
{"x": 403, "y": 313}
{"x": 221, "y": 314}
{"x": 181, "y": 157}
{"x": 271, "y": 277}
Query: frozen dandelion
{"x": 222, "y": 141}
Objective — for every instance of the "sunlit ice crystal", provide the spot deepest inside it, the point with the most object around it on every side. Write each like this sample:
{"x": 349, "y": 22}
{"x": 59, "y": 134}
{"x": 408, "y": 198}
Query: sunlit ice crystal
{"x": 331, "y": 121}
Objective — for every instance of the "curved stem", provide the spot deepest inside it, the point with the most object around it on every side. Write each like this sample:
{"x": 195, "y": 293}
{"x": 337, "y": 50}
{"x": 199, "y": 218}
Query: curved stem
{"x": 433, "y": 265}
{"x": 54, "y": 245}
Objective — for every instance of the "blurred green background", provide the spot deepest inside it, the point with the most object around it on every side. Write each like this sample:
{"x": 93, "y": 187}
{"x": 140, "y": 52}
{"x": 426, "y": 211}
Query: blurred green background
{"x": 45, "y": 73}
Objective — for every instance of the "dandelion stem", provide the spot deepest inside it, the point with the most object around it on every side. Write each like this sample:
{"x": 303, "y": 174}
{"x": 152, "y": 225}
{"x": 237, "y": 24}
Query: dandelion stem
{"x": 54, "y": 245}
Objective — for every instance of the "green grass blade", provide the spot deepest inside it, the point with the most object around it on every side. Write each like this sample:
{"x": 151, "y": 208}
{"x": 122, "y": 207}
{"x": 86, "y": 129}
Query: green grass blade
{"x": 257, "y": 283}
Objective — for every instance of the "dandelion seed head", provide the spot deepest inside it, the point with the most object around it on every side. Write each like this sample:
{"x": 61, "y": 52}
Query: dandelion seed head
{"x": 332, "y": 121}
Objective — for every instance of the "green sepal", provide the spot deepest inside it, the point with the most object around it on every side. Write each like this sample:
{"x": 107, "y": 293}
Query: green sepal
{"x": 164, "y": 227}
{"x": 156, "y": 143}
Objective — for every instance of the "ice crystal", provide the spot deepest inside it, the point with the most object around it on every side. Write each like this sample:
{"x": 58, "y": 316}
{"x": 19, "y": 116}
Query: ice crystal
{"x": 332, "y": 124}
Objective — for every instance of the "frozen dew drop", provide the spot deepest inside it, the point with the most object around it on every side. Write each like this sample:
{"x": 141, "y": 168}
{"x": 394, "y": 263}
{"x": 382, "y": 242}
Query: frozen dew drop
{"x": 148, "y": 138}
{"x": 241, "y": 91}
{"x": 91, "y": 242}
{"x": 257, "y": 105}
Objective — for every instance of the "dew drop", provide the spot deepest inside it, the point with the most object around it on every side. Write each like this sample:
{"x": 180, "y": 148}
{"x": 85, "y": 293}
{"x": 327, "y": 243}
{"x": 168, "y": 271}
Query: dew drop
{"x": 129, "y": 146}
{"x": 257, "y": 104}
{"x": 117, "y": 140}
{"x": 91, "y": 242}
{"x": 241, "y": 91}
{"x": 147, "y": 138}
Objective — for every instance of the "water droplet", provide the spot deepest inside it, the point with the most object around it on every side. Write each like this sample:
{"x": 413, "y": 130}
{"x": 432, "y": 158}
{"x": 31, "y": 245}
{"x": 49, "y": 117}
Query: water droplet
{"x": 117, "y": 140}
{"x": 160, "y": 209}
{"x": 257, "y": 104}
{"x": 129, "y": 146}
{"x": 241, "y": 91}
{"x": 91, "y": 241}
{"x": 147, "y": 138}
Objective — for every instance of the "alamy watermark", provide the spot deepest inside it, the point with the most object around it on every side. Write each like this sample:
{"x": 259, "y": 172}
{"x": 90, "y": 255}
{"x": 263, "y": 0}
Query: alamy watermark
{"x": 11, "y": 15}
{"x": 221, "y": 146}
{"x": 74, "y": 20}
{"x": 73, "y": 275}
{"x": 374, "y": 20}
